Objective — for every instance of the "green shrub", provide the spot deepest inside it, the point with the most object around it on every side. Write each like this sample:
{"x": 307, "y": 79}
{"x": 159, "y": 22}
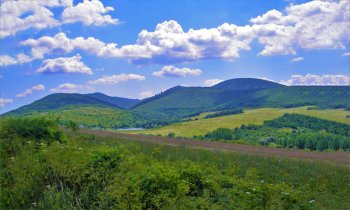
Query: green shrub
{"x": 171, "y": 135}
{"x": 38, "y": 129}
{"x": 220, "y": 133}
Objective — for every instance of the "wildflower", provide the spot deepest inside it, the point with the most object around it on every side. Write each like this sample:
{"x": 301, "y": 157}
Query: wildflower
{"x": 311, "y": 201}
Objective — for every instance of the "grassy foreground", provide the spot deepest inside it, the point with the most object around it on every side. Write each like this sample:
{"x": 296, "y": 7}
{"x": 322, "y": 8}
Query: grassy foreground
{"x": 45, "y": 170}
{"x": 202, "y": 126}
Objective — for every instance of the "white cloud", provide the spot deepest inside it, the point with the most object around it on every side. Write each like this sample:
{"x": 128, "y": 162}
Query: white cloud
{"x": 4, "y": 101}
{"x": 89, "y": 12}
{"x": 6, "y": 60}
{"x": 46, "y": 44}
{"x": 64, "y": 65}
{"x": 212, "y": 82}
{"x": 297, "y": 59}
{"x": 116, "y": 78}
{"x": 312, "y": 25}
{"x": 39, "y": 16}
{"x": 71, "y": 88}
{"x": 172, "y": 71}
{"x": 346, "y": 54}
{"x": 311, "y": 79}
{"x": 29, "y": 91}
{"x": 22, "y": 15}
{"x": 168, "y": 43}
{"x": 146, "y": 94}
{"x": 60, "y": 43}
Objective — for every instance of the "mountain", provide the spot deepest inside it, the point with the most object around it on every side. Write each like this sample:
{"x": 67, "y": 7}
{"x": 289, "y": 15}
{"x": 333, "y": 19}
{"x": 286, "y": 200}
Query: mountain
{"x": 124, "y": 103}
{"x": 179, "y": 102}
{"x": 241, "y": 84}
{"x": 61, "y": 100}
{"x": 245, "y": 93}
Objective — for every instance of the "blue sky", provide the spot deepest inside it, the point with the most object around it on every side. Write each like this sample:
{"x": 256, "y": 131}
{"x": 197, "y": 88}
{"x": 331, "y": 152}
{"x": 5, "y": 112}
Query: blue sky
{"x": 196, "y": 43}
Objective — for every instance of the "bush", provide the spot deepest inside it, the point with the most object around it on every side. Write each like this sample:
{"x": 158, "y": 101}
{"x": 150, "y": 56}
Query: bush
{"x": 171, "y": 135}
{"x": 39, "y": 129}
{"x": 220, "y": 133}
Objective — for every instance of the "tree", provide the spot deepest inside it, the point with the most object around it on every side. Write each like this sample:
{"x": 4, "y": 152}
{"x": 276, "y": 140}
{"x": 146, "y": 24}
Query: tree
{"x": 73, "y": 126}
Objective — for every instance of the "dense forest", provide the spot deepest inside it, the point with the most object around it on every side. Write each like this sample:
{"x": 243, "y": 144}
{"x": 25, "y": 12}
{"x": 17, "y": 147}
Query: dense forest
{"x": 292, "y": 131}
{"x": 45, "y": 167}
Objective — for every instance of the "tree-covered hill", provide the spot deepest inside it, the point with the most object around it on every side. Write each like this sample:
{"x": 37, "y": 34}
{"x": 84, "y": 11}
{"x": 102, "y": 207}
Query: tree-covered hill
{"x": 60, "y": 100}
{"x": 179, "y": 102}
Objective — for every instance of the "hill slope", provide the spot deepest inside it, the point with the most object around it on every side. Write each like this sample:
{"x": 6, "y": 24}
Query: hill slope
{"x": 124, "y": 103}
{"x": 179, "y": 102}
{"x": 60, "y": 100}
{"x": 247, "y": 93}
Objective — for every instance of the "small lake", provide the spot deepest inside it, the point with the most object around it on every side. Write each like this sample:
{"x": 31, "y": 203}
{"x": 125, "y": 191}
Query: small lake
{"x": 130, "y": 129}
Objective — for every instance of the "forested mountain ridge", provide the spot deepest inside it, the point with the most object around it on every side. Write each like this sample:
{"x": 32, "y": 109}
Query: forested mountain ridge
{"x": 179, "y": 102}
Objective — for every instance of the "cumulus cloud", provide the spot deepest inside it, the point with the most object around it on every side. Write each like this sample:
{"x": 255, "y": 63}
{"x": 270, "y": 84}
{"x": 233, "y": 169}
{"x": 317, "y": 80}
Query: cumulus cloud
{"x": 64, "y": 65}
{"x": 29, "y": 91}
{"x": 212, "y": 82}
{"x": 172, "y": 71}
{"x": 22, "y": 15}
{"x": 60, "y": 43}
{"x": 71, "y": 88}
{"x": 297, "y": 59}
{"x": 6, "y": 60}
{"x": 311, "y": 79}
{"x": 146, "y": 94}
{"x": 4, "y": 101}
{"x": 89, "y": 12}
{"x": 346, "y": 54}
{"x": 12, "y": 20}
{"x": 168, "y": 43}
{"x": 312, "y": 25}
{"x": 116, "y": 78}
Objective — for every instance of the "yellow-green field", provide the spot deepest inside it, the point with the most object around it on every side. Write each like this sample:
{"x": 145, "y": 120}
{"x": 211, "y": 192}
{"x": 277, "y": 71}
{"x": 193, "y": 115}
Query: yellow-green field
{"x": 251, "y": 116}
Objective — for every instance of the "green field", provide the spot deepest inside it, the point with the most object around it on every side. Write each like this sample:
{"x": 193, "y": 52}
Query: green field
{"x": 250, "y": 116}
{"x": 42, "y": 168}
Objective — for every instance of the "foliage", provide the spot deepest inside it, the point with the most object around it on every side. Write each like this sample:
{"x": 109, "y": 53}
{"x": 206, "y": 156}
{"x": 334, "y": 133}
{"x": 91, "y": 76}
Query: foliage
{"x": 220, "y": 133}
{"x": 250, "y": 116}
{"x": 89, "y": 172}
{"x": 72, "y": 125}
{"x": 38, "y": 129}
{"x": 171, "y": 135}
{"x": 292, "y": 131}
{"x": 296, "y": 121}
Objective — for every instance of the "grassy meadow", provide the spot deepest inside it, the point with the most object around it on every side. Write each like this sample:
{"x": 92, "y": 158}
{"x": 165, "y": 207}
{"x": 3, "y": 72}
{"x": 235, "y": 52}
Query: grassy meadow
{"x": 202, "y": 126}
{"x": 43, "y": 168}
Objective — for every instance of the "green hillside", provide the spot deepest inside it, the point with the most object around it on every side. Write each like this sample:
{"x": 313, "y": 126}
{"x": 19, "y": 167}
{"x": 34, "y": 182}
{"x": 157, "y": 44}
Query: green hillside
{"x": 92, "y": 116}
{"x": 201, "y": 126}
{"x": 124, "y": 103}
{"x": 179, "y": 102}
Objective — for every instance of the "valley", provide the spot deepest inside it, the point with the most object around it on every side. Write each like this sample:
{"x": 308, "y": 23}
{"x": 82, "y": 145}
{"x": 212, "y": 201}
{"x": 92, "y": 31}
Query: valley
{"x": 240, "y": 144}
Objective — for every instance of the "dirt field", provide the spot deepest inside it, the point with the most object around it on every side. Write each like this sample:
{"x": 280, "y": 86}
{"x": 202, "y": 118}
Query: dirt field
{"x": 342, "y": 158}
